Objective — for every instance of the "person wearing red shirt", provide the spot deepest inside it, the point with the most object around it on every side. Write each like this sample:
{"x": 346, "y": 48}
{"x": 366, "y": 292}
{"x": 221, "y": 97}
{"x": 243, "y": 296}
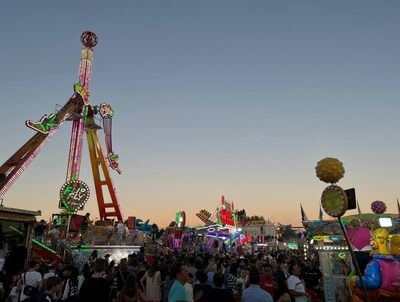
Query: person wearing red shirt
{"x": 267, "y": 281}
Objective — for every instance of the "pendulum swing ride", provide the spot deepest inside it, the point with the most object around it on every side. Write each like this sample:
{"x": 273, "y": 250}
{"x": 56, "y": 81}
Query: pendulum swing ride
{"x": 78, "y": 109}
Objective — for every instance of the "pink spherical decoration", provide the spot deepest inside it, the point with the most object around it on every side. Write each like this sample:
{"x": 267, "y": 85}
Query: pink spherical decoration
{"x": 378, "y": 207}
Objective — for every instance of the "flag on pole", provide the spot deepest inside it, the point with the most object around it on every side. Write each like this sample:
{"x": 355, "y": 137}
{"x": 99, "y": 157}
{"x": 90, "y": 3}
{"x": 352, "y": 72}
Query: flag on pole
{"x": 398, "y": 206}
{"x": 303, "y": 214}
{"x": 358, "y": 208}
{"x": 320, "y": 212}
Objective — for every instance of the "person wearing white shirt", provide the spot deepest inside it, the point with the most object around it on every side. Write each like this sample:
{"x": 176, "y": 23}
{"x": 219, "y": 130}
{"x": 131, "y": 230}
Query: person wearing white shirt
{"x": 296, "y": 286}
{"x": 31, "y": 278}
{"x": 51, "y": 273}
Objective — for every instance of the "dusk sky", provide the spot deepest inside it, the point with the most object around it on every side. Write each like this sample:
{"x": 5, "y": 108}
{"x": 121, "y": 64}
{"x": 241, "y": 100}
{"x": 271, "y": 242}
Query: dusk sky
{"x": 240, "y": 98}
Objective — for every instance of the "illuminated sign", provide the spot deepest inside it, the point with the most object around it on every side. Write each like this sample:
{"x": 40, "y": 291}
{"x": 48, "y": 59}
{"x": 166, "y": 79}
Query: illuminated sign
{"x": 73, "y": 196}
{"x": 218, "y": 235}
{"x": 327, "y": 237}
{"x": 228, "y": 218}
{"x": 227, "y": 214}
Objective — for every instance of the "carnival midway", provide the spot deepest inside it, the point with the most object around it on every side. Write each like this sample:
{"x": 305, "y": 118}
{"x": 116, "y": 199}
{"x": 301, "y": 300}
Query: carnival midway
{"x": 228, "y": 256}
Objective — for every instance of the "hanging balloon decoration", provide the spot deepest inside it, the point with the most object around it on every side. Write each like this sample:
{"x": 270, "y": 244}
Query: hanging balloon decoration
{"x": 330, "y": 170}
{"x": 334, "y": 199}
{"x": 378, "y": 207}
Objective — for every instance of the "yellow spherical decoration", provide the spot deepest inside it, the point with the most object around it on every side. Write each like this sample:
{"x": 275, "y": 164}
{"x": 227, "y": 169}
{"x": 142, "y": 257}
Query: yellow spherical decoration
{"x": 330, "y": 170}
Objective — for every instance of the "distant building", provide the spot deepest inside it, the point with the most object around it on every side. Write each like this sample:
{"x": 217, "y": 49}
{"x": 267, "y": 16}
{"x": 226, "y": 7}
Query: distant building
{"x": 261, "y": 230}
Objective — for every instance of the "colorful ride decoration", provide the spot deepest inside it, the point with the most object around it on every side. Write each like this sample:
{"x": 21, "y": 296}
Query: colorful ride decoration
{"x": 330, "y": 170}
{"x": 204, "y": 216}
{"x": 113, "y": 161}
{"x": 382, "y": 274}
{"x": 79, "y": 88}
{"x": 180, "y": 219}
{"x": 334, "y": 201}
{"x": 73, "y": 196}
{"x": 45, "y": 125}
{"x": 378, "y": 207}
{"x": 106, "y": 110}
{"x": 107, "y": 113}
{"x": 143, "y": 226}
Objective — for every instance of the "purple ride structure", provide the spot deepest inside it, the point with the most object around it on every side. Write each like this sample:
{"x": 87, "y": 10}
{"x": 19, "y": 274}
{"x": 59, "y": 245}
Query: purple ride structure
{"x": 74, "y": 193}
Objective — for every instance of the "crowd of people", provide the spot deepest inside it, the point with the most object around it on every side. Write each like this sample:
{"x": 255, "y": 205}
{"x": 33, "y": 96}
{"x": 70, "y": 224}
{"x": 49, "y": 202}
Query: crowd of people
{"x": 172, "y": 277}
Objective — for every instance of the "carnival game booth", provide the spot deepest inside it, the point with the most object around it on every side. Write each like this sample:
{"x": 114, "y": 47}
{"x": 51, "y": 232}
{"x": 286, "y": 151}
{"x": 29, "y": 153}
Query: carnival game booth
{"x": 325, "y": 236}
{"x": 325, "y": 240}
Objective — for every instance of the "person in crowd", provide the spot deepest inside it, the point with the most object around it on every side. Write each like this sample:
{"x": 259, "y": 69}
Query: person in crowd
{"x": 109, "y": 230}
{"x": 201, "y": 289}
{"x": 177, "y": 292}
{"x": 120, "y": 230}
{"x": 93, "y": 256}
{"x": 51, "y": 272}
{"x": 107, "y": 259}
{"x": 53, "y": 286}
{"x": 86, "y": 222}
{"x": 285, "y": 297}
{"x": 130, "y": 291}
{"x": 86, "y": 271}
{"x": 16, "y": 287}
{"x": 279, "y": 276}
{"x": 254, "y": 293}
{"x": 211, "y": 270}
{"x": 122, "y": 274}
{"x": 233, "y": 282}
{"x": 72, "y": 284}
{"x": 31, "y": 282}
{"x": 141, "y": 255}
{"x": 39, "y": 230}
{"x": 218, "y": 293}
{"x": 189, "y": 288}
{"x": 267, "y": 281}
{"x": 79, "y": 258}
{"x": 54, "y": 234}
{"x": 96, "y": 288}
{"x": 295, "y": 285}
{"x": 192, "y": 268}
{"x": 312, "y": 276}
{"x": 152, "y": 280}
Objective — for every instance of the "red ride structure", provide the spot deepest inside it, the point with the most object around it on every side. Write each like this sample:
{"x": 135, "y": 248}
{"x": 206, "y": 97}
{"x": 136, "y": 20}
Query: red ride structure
{"x": 77, "y": 109}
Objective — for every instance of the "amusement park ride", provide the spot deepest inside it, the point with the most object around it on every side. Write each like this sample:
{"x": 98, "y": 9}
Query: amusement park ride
{"x": 78, "y": 109}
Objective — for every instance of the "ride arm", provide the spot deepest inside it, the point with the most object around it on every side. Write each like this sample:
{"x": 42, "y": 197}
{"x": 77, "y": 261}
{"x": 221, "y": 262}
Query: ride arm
{"x": 372, "y": 276}
{"x": 18, "y": 162}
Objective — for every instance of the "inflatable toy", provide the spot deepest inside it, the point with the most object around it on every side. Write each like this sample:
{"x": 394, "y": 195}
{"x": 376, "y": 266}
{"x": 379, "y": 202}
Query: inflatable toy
{"x": 382, "y": 274}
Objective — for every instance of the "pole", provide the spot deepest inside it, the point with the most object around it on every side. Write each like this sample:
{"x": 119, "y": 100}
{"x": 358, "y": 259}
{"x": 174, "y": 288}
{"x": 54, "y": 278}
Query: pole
{"x": 66, "y": 236}
{"x": 353, "y": 257}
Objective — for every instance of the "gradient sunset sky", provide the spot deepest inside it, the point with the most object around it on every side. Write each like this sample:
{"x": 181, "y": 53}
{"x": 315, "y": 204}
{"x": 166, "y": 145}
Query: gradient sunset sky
{"x": 240, "y": 98}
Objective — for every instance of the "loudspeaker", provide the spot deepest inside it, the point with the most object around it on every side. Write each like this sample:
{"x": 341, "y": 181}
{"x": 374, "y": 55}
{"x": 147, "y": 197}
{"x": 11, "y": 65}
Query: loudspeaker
{"x": 351, "y": 198}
